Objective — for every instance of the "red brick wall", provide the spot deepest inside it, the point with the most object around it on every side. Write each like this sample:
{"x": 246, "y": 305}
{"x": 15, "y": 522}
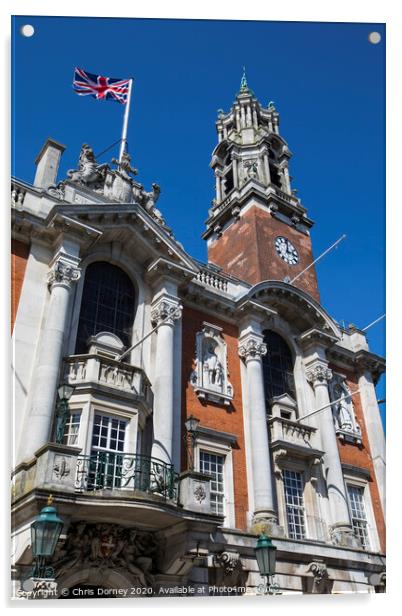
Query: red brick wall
{"x": 19, "y": 258}
{"x": 361, "y": 457}
{"x": 212, "y": 415}
{"x": 246, "y": 249}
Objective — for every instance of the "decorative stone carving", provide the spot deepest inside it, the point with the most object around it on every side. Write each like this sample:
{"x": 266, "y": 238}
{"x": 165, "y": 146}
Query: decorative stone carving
{"x": 108, "y": 546}
{"x": 229, "y": 570}
{"x": 200, "y": 493}
{"x": 124, "y": 167}
{"x": 346, "y": 425}
{"x": 210, "y": 376}
{"x": 57, "y": 190}
{"x": 63, "y": 272}
{"x": 252, "y": 347}
{"x": 321, "y": 583}
{"x": 166, "y": 310}
{"x": 251, "y": 169}
{"x": 89, "y": 172}
{"x": 61, "y": 467}
{"x": 319, "y": 374}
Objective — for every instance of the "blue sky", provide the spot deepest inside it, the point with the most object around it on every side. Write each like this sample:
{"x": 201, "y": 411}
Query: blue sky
{"x": 327, "y": 81}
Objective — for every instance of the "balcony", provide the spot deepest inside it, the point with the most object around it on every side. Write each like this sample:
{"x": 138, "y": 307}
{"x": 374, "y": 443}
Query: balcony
{"x": 93, "y": 369}
{"x": 127, "y": 472}
{"x": 292, "y": 433}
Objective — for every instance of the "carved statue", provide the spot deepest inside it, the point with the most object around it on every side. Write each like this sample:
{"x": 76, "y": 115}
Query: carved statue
{"x": 89, "y": 172}
{"x": 213, "y": 370}
{"x": 343, "y": 414}
{"x": 124, "y": 167}
{"x": 150, "y": 198}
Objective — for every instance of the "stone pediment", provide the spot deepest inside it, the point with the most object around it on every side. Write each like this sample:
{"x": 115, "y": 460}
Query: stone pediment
{"x": 132, "y": 227}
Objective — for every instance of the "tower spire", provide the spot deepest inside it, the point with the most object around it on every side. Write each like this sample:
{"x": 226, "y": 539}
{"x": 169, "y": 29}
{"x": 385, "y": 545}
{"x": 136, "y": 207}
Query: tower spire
{"x": 243, "y": 83}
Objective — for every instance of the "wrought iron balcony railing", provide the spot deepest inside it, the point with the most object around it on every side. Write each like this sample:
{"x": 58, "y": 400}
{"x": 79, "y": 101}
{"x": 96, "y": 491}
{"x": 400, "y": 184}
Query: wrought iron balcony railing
{"x": 104, "y": 470}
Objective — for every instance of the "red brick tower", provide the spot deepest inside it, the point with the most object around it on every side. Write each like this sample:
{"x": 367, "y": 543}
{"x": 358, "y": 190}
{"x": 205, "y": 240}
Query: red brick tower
{"x": 257, "y": 228}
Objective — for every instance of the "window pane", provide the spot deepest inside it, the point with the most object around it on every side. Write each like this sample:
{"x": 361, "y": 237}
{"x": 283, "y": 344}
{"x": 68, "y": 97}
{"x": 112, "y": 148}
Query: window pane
{"x": 107, "y": 304}
{"x": 358, "y": 514}
{"x": 71, "y": 429}
{"x": 293, "y": 486}
{"x": 212, "y": 464}
{"x": 278, "y": 367}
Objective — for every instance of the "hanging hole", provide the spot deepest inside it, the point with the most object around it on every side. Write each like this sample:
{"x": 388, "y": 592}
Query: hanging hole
{"x": 374, "y": 38}
{"x": 27, "y": 30}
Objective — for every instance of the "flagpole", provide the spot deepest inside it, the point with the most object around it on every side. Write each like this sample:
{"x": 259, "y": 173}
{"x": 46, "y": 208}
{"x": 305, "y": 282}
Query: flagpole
{"x": 125, "y": 122}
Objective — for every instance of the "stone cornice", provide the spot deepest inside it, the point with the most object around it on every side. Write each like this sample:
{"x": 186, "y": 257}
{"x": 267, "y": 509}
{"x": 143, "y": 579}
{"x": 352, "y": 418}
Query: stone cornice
{"x": 162, "y": 268}
{"x": 316, "y": 337}
{"x": 359, "y": 361}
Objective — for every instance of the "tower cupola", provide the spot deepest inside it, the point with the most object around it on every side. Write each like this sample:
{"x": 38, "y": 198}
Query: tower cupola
{"x": 251, "y": 168}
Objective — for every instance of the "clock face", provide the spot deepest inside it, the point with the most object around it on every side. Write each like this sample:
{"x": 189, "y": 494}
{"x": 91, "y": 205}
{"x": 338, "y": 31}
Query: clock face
{"x": 286, "y": 250}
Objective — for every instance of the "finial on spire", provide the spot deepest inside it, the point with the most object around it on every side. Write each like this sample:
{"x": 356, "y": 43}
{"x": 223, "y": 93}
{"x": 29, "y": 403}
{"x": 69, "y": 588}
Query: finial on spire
{"x": 49, "y": 500}
{"x": 243, "y": 83}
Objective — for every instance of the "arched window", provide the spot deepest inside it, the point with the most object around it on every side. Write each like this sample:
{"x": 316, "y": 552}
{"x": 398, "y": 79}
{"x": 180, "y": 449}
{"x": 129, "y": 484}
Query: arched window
{"x": 107, "y": 304}
{"x": 277, "y": 367}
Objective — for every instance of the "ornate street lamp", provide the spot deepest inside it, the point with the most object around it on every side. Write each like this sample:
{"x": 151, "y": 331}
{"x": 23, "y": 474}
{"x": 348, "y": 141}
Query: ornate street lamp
{"x": 191, "y": 425}
{"x": 45, "y": 533}
{"x": 64, "y": 393}
{"x": 265, "y": 553}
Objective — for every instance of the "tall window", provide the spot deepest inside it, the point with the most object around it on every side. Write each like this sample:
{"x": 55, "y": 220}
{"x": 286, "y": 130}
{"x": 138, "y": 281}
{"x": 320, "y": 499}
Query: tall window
{"x": 212, "y": 464}
{"x": 358, "y": 514}
{"x": 106, "y": 463}
{"x": 107, "y": 304}
{"x": 293, "y": 486}
{"x": 277, "y": 367}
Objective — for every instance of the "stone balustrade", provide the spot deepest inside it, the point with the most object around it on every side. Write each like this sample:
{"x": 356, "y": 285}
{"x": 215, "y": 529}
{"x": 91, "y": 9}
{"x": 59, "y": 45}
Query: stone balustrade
{"x": 94, "y": 368}
{"x": 212, "y": 280}
{"x": 292, "y": 432}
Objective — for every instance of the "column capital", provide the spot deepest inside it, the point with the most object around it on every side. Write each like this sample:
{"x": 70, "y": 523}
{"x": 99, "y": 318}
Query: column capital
{"x": 319, "y": 374}
{"x": 252, "y": 347}
{"x": 63, "y": 272}
{"x": 167, "y": 309}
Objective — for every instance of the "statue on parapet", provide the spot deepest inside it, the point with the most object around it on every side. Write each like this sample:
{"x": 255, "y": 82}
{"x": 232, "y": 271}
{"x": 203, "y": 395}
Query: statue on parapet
{"x": 88, "y": 172}
{"x": 124, "y": 166}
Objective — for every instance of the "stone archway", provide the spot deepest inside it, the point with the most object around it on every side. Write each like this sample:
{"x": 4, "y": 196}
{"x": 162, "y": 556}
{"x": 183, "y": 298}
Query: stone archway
{"x": 91, "y": 582}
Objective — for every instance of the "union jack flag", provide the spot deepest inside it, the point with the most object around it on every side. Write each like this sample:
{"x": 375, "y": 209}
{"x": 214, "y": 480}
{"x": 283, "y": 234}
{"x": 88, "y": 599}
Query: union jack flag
{"x": 101, "y": 88}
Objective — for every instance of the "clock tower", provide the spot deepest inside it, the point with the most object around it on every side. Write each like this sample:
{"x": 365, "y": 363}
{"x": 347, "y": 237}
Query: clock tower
{"x": 257, "y": 228}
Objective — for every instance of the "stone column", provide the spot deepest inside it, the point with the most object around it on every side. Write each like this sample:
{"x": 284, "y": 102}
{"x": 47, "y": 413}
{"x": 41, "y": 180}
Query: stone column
{"x": 318, "y": 374}
{"x": 266, "y": 168}
{"x": 165, "y": 311}
{"x": 286, "y": 180}
{"x": 38, "y": 421}
{"x": 218, "y": 188}
{"x": 375, "y": 430}
{"x": 252, "y": 349}
{"x": 235, "y": 176}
